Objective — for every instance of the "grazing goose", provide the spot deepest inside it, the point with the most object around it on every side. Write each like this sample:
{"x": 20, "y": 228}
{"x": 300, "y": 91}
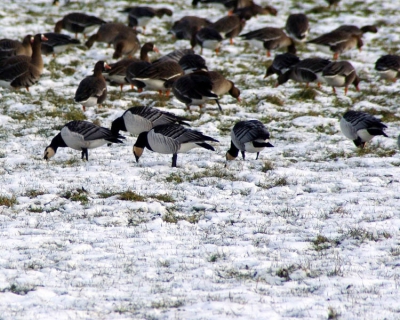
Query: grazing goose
{"x": 248, "y": 136}
{"x": 141, "y": 15}
{"x": 297, "y": 26}
{"x": 307, "y": 70}
{"x": 183, "y": 28}
{"x": 81, "y": 135}
{"x": 281, "y": 63}
{"x": 206, "y": 37}
{"x": 171, "y": 139}
{"x": 175, "y": 55}
{"x": 356, "y": 30}
{"x": 338, "y": 42}
{"x": 231, "y": 26}
{"x": 23, "y": 71}
{"x": 92, "y": 90}
{"x": 272, "y": 39}
{"x": 118, "y": 71}
{"x": 108, "y": 32}
{"x": 142, "y": 119}
{"x": 333, "y": 3}
{"x": 220, "y": 85}
{"x": 341, "y": 74}
{"x": 192, "y": 63}
{"x": 194, "y": 89}
{"x": 154, "y": 76}
{"x": 57, "y": 42}
{"x": 388, "y": 67}
{"x": 77, "y": 22}
{"x": 10, "y": 48}
{"x": 254, "y": 10}
{"x": 125, "y": 44}
{"x": 361, "y": 127}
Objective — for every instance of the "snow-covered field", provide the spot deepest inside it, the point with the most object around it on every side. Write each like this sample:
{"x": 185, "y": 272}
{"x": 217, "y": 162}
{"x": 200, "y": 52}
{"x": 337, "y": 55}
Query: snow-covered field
{"x": 310, "y": 230}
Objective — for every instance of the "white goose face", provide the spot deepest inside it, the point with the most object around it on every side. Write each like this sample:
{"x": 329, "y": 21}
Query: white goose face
{"x": 137, "y": 152}
{"x": 106, "y": 66}
{"x": 49, "y": 153}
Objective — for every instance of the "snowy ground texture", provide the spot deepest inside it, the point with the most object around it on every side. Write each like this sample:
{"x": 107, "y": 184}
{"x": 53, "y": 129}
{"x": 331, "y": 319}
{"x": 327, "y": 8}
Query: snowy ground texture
{"x": 310, "y": 230}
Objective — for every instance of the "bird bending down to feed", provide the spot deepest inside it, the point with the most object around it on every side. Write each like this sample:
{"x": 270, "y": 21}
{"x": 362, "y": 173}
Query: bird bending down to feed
{"x": 361, "y": 127}
{"x": 81, "y": 135}
{"x": 171, "y": 139}
{"x": 248, "y": 136}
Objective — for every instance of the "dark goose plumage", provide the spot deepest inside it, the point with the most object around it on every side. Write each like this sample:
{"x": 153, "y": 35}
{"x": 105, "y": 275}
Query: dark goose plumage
{"x": 248, "y": 136}
{"x": 81, "y": 135}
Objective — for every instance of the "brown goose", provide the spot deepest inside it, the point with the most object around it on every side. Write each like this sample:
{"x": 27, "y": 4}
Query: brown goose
{"x": 10, "y": 48}
{"x": 141, "y": 15}
{"x": 297, "y": 26}
{"x": 206, "y": 37}
{"x": 338, "y": 42}
{"x": 307, "y": 70}
{"x": 108, "y": 33}
{"x": 183, "y": 28}
{"x": 254, "y": 10}
{"x": 117, "y": 73}
{"x": 231, "y": 26}
{"x": 92, "y": 90}
{"x": 220, "y": 85}
{"x": 155, "y": 75}
{"x": 195, "y": 88}
{"x": 57, "y": 42}
{"x": 23, "y": 71}
{"x": 272, "y": 39}
{"x": 126, "y": 44}
{"x": 388, "y": 67}
{"x": 77, "y": 22}
{"x": 281, "y": 63}
{"x": 356, "y": 30}
{"x": 341, "y": 74}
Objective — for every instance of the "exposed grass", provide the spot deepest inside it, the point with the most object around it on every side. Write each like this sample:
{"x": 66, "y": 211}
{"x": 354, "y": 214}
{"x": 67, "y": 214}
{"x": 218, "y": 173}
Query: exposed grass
{"x": 163, "y": 197}
{"x": 321, "y": 243}
{"x": 305, "y": 94}
{"x": 172, "y": 216}
{"x": 175, "y": 178}
{"x": 18, "y": 289}
{"x": 76, "y": 195}
{"x": 32, "y": 193}
{"x": 130, "y": 195}
{"x": 8, "y": 201}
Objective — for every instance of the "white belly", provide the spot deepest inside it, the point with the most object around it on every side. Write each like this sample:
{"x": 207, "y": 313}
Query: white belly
{"x": 388, "y": 74}
{"x": 76, "y": 141}
{"x": 185, "y": 147}
{"x": 248, "y": 147}
{"x": 364, "y": 135}
{"x": 5, "y": 84}
{"x": 211, "y": 44}
{"x": 335, "y": 81}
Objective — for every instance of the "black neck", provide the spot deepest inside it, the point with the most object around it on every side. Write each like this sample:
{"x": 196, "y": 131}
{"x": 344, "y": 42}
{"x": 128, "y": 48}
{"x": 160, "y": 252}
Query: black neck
{"x": 142, "y": 141}
{"x": 57, "y": 142}
{"x": 233, "y": 151}
{"x": 117, "y": 125}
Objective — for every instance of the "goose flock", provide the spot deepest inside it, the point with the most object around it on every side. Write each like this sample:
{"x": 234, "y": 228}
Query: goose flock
{"x": 186, "y": 75}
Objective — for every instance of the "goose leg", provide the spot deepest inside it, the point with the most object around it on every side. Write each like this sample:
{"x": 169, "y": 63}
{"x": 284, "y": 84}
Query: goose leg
{"x": 85, "y": 154}
{"x": 174, "y": 158}
{"x": 243, "y": 155}
{"x": 258, "y": 153}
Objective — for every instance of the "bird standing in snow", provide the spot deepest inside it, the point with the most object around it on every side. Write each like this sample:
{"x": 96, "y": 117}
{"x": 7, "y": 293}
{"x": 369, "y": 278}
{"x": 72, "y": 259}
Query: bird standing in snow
{"x": 248, "y": 136}
{"x": 81, "y": 135}
{"x": 92, "y": 90}
{"x": 171, "y": 139}
{"x": 361, "y": 127}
